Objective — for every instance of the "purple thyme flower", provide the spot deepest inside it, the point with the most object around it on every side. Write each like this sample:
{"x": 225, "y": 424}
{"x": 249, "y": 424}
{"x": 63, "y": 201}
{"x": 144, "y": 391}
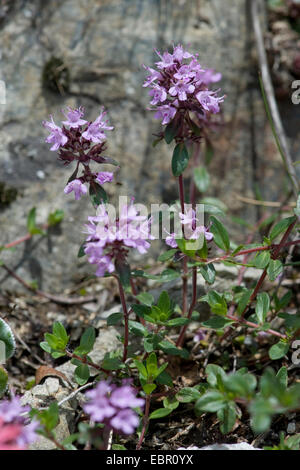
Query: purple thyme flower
{"x": 165, "y": 112}
{"x": 12, "y": 412}
{"x": 179, "y": 88}
{"x": 56, "y": 137}
{"x": 199, "y": 335}
{"x": 112, "y": 406}
{"x": 74, "y": 117}
{"x": 78, "y": 187}
{"x": 192, "y": 230}
{"x": 158, "y": 93}
{"x": 170, "y": 240}
{"x": 109, "y": 239}
{"x": 83, "y": 142}
{"x": 209, "y": 101}
{"x": 208, "y": 76}
{"x": 95, "y": 130}
{"x": 104, "y": 177}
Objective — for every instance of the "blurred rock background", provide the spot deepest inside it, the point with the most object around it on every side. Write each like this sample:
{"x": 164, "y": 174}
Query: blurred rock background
{"x": 89, "y": 52}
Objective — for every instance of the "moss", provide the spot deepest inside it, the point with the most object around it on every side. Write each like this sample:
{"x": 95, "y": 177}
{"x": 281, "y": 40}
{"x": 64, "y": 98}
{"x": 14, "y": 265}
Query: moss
{"x": 55, "y": 76}
{"x": 7, "y": 195}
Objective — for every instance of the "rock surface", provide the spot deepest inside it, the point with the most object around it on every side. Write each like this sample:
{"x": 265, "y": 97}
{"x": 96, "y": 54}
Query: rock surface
{"x": 101, "y": 45}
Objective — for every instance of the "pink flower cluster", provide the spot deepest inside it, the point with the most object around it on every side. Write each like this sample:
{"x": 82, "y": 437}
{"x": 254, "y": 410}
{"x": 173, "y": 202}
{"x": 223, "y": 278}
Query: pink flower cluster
{"x": 112, "y": 406}
{"x": 84, "y": 142}
{"x": 179, "y": 85}
{"x": 192, "y": 231}
{"x": 108, "y": 237}
{"x": 15, "y": 433}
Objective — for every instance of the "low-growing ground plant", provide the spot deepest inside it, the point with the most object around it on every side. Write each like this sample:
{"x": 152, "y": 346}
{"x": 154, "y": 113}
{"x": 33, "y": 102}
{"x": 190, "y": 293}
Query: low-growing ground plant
{"x": 135, "y": 386}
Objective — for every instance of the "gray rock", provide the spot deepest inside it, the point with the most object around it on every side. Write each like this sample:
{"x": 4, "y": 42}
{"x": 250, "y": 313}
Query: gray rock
{"x": 41, "y": 396}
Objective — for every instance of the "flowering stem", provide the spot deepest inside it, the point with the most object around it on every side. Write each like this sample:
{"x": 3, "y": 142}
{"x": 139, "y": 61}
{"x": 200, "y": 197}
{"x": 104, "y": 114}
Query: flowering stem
{"x": 52, "y": 439}
{"x": 253, "y": 325}
{"x": 193, "y": 302}
{"x": 126, "y": 315}
{"x": 85, "y": 361}
{"x": 184, "y": 261}
{"x": 251, "y": 250}
{"x": 145, "y": 422}
{"x": 26, "y": 237}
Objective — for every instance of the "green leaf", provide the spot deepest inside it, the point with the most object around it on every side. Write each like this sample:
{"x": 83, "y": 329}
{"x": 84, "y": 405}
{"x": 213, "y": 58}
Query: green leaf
{"x": 6, "y": 335}
{"x": 145, "y": 298}
{"x": 188, "y": 394}
{"x": 137, "y": 328}
{"x": 118, "y": 447}
{"x": 275, "y": 268}
{"x": 262, "y": 260}
{"x": 167, "y": 255}
{"x": 281, "y": 227}
{"x": 221, "y": 237}
{"x": 278, "y": 350}
{"x": 201, "y": 179}
{"x": 262, "y": 307}
{"x": 141, "y": 368}
{"x": 164, "y": 303}
{"x": 3, "y": 381}
{"x": 55, "y": 217}
{"x": 170, "y": 348}
{"x": 149, "y": 388}
{"x": 211, "y": 402}
{"x": 82, "y": 374}
{"x": 48, "y": 418}
{"x": 241, "y": 385}
{"x": 217, "y": 303}
{"x": 216, "y": 322}
{"x": 87, "y": 341}
{"x": 60, "y": 332}
{"x": 114, "y": 318}
{"x": 171, "y": 131}
{"x": 209, "y": 151}
{"x": 46, "y": 347}
{"x": 31, "y": 223}
{"x": 164, "y": 379}
{"x": 124, "y": 272}
{"x": 215, "y": 374}
{"x": 227, "y": 417}
{"x": 180, "y": 159}
{"x": 81, "y": 251}
{"x": 282, "y": 376}
{"x": 97, "y": 194}
{"x": 243, "y": 302}
{"x": 151, "y": 364}
{"x": 171, "y": 403}
{"x": 208, "y": 272}
{"x": 160, "y": 413}
{"x": 112, "y": 363}
{"x": 179, "y": 321}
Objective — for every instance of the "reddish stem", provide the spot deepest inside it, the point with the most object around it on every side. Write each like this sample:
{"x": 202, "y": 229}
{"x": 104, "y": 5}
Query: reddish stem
{"x": 184, "y": 261}
{"x": 126, "y": 315}
{"x": 24, "y": 238}
{"x": 191, "y": 309}
{"x": 145, "y": 422}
